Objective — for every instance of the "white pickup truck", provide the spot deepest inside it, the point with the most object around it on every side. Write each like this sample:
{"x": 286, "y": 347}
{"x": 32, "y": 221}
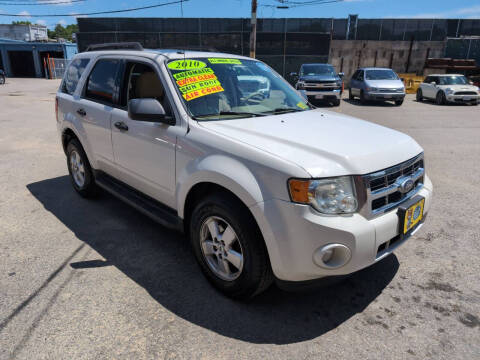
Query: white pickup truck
{"x": 265, "y": 186}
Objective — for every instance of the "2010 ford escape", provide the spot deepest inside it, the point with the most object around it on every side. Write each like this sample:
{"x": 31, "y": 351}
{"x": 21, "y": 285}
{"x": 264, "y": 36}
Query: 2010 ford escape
{"x": 222, "y": 147}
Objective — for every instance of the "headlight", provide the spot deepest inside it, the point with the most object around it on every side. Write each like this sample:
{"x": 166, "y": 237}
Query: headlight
{"x": 328, "y": 196}
{"x": 448, "y": 91}
{"x": 300, "y": 85}
{"x": 372, "y": 89}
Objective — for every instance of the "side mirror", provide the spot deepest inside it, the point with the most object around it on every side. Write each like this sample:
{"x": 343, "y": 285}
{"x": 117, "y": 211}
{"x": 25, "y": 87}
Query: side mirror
{"x": 470, "y": 82}
{"x": 341, "y": 75}
{"x": 148, "y": 110}
{"x": 433, "y": 83}
{"x": 293, "y": 74}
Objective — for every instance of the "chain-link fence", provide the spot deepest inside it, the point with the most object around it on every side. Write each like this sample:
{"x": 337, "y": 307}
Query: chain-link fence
{"x": 54, "y": 68}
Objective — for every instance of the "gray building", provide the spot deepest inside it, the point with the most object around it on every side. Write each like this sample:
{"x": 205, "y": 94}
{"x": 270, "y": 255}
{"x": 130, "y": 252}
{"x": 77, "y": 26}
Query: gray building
{"x": 24, "y": 32}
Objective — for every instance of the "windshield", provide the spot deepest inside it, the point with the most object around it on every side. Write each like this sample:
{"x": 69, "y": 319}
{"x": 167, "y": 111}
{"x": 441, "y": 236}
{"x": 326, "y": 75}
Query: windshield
{"x": 317, "y": 69}
{"x": 380, "y": 75}
{"x": 452, "y": 80}
{"x": 221, "y": 88}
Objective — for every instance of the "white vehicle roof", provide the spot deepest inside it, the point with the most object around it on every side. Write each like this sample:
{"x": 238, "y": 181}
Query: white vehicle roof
{"x": 446, "y": 75}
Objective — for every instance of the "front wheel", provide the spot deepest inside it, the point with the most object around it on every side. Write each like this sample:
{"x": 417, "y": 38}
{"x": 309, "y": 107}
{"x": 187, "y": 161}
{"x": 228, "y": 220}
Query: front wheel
{"x": 2, "y": 80}
{"x": 362, "y": 98}
{"x": 229, "y": 247}
{"x": 336, "y": 102}
{"x": 398, "y": 102}
{"x": 419, "y": 95}
{"x": 350, "y": 95}
{"x": 440, "y": 99}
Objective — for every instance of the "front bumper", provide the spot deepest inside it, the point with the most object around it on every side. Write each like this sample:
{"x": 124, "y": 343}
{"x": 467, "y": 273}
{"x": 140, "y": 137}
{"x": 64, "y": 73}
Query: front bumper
{"x": 294, "y": 232}
{"x": 384, "y": 96}
{"x": 324, "y": 95}
{"x": 463, "y": 98}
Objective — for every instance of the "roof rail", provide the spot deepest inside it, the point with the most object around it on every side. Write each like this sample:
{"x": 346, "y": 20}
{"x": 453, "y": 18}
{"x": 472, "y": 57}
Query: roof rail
{"x": 116, "y": 46}
{"x": 198, "y": 48}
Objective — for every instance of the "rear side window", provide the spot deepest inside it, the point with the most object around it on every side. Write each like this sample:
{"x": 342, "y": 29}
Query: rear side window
{"x": 74, "y": 72}
{"x": 101, "y": 83}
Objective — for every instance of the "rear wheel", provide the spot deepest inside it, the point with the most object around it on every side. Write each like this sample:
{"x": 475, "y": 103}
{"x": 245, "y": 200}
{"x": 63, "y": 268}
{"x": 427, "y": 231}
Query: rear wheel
{"x": 419, "y": 95}
{"x": 80, "y": 171}
{"x": 440, "y": 99}
{"x": 229, "y": 247}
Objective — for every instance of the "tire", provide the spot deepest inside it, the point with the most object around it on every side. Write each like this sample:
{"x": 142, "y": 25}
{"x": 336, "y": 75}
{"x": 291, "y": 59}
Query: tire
{"x": 362, "y": 98}
{"x": 336, "y": 102}
{"x": 440, "y": 98}
{"x": 248, "y": 277}
{"x": 350, "y": 95}
{"x": 475, "y": 103}
{"x": 398, "y": 102}
{"x": 2, "y": 80}
{"x": 419, "y": 95}
{"x": 78, "y": 164}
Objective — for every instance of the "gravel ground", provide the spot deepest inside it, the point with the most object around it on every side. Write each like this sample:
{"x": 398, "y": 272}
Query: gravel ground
{"x": 95, "y": 279}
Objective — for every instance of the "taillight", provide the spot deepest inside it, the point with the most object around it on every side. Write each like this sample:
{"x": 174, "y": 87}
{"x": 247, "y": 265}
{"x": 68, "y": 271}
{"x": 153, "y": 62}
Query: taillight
{"x": 56, "y": 108}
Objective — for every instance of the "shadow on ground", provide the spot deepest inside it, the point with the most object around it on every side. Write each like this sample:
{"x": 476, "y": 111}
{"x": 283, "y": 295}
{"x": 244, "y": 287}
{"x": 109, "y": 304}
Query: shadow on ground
{"x": 161, "y": 262}
{"x": 357, "y": 102}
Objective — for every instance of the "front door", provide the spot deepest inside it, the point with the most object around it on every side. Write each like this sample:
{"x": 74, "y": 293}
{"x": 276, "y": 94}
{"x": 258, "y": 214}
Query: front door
{"x": 144, "y": 151}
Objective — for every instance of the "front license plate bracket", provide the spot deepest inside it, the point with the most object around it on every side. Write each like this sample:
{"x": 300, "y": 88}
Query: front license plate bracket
{"x": 410, "y": 215}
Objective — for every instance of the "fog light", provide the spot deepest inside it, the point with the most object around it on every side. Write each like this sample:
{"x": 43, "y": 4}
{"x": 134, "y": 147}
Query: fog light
{"x": 332, "y": 256}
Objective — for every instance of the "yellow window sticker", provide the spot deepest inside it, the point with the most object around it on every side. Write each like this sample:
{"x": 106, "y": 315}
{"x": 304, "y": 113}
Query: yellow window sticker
{"x": 187, "y": 64}
{"x": 199, "y": 85}
{"x": 202, "y": 92}
{"x": 185, "y": 74}
{"x": 195, "y": 79}
{"x": 302, "y": 105}
{"x": 224, "y": 61}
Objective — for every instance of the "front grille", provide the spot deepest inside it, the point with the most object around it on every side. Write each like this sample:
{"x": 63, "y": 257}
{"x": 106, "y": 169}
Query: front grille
{"x": 384, "y": 191}
{"x": 466, "y": 93}
{"x": 308, "y": 88}
{"x": 390, "y": 90}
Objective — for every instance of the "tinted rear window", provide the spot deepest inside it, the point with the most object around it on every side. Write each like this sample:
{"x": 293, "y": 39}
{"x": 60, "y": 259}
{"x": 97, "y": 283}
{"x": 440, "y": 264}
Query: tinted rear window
{"x": 73, "y": 74}
{"x": 102, "y": 81}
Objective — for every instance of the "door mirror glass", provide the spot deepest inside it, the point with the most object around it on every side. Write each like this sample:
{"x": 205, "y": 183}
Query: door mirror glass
{"x": 148, "y": 109}
{"x": 433, "y": 83}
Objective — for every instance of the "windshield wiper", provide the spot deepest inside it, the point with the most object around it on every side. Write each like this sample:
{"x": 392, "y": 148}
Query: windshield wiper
{"x": 283, "y": 110}
{"x": 249, "y": 114}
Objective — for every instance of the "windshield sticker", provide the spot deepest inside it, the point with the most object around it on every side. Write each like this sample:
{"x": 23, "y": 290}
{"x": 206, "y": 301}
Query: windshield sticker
{"x": 186, "y": 64}
{"x": 185, "y": 74}
{"x": 201, "y": 88}
{"x": 195, "y": 79}
{"x": 302, "y": 105}
{"x": 225, "y": 61}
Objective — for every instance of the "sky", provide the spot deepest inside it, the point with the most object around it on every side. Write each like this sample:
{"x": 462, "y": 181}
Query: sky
{"x": 239, "y": 8}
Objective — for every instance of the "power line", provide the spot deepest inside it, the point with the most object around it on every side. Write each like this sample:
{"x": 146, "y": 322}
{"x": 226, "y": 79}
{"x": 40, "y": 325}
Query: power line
{"x": 97, "y": 12}
{"x": 52, "y": 2}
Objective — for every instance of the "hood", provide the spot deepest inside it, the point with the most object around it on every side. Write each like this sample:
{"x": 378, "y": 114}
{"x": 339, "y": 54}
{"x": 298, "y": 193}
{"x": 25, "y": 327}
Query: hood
{"x": 385, "y": 84}
{"x": 324, "y": 77}
{"x": 321, "y": 142}
{"x": 466, "y": 87}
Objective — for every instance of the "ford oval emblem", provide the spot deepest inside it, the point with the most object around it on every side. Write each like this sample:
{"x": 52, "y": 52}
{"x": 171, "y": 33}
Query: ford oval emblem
{"x": 406, "y": 185}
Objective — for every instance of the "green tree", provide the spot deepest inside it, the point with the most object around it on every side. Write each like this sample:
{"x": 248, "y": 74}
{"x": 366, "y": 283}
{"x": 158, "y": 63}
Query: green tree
{"x": 63, "y": 32}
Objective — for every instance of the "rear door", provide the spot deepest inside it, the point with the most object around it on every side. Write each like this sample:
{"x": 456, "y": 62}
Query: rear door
{"x": 145, "y": 151}
{"x": 94, "y": 110}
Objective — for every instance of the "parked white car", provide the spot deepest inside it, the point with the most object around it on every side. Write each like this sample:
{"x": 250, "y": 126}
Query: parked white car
{"x": 451, "y": 88}
{"x": 266, "y": 187}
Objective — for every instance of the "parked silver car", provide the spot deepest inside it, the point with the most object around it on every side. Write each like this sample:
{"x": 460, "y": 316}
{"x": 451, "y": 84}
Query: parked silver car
{"x": 376, "y": 84}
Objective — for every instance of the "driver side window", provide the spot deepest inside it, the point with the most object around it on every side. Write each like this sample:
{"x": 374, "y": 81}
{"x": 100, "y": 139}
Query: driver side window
{"x": 142, "y": 82}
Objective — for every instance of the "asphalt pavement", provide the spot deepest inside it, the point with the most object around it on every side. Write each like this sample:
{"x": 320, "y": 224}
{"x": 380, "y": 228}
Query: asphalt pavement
{"x": 95, "y": 279}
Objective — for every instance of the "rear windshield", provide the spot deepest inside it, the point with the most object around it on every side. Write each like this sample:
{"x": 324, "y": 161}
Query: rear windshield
{"x": 380, "y": 75}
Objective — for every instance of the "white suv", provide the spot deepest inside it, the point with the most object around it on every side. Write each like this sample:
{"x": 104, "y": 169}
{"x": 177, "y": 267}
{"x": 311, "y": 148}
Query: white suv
{"x": 265, "y": 187}
{"x": 445, "y": 88}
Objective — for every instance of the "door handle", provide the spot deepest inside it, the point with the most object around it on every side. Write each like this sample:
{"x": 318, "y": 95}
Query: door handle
{"x": 121, "y": 125}
{"x": 81, "y": 112}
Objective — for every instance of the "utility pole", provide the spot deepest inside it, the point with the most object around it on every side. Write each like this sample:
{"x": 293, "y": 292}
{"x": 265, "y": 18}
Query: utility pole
{"x": 253, "y": 34}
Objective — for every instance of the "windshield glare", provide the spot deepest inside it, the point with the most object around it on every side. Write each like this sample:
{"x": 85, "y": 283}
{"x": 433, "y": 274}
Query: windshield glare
{"x": 453, "y": 80}
{"x": 317, "y": 69}
{"x": 380, "y": 75}
{"x": 214, "y": 88}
